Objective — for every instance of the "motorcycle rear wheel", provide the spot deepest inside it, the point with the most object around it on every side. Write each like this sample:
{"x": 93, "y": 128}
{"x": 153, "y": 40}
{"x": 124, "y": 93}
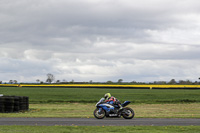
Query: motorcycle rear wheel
{"x": 128, "y": 113}
{"x": 100, "y": 115}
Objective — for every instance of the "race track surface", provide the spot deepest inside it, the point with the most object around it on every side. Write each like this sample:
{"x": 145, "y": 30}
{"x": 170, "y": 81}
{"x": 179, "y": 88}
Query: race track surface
{"x": 96, "y": 122}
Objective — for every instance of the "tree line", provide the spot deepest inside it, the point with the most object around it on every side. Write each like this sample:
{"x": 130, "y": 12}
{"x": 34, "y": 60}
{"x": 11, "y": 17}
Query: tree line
{"x": 51, "y": 79}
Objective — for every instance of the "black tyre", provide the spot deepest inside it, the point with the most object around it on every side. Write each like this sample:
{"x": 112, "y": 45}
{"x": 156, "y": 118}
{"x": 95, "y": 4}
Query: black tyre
{"x": 16, "y": 109}
{"x": 9, "y": 109}
{"x": 21, "y": 103}
{"x": 16, "y": 104}
{"x": 1, "y": 99}
{"x": 10, "y": 104}
{"x": 2, "y": 104}
{"x": 2, "y": 109}
{"x": 8, "y": 101}
{"x": 128, "y": 113}
{"x": 99, "y": 115}
{"x": 26, "y": 103}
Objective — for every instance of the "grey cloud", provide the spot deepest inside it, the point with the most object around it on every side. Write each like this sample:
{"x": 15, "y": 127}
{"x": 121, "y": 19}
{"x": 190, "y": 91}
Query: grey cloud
{"x": 128, "y": 39}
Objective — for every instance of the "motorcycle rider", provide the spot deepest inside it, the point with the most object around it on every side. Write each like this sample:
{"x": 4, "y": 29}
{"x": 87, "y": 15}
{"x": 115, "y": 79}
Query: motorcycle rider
{"x": 112, "y": 100}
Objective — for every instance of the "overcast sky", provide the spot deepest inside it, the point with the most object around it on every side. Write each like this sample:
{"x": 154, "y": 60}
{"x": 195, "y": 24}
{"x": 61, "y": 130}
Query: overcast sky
{"x": 100, "y": 40}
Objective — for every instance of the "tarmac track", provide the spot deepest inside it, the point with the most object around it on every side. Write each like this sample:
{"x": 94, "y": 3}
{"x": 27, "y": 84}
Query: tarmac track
{"x": 103, "y": 122}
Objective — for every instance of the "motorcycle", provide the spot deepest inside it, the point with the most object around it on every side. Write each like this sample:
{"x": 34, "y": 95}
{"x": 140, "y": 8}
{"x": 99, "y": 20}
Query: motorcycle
{"x": 106, "y": 110}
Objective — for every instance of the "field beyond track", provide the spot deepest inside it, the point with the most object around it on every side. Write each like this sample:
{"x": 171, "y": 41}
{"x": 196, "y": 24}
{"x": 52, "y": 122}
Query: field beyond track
{"x": 92, "y": 95}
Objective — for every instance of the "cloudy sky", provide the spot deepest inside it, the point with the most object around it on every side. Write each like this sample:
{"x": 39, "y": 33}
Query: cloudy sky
{"x": 100, "y": 40}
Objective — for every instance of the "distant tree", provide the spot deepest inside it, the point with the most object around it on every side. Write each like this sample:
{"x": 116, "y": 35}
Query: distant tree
{"x": 187, "y": 82}
{"x": 133, "y": 82}
{"x": 41, "y": 82}
{"x": 0, "y": 82}
{"x": 10, "y": 82}
{"x": 72, "y": 81}
{"x": 159, "y": 82}
{"x": 181, "y": 82}
{"x": 15, "y": 81}
{"x": 91, "y": 81}
{"x": 163, "y": 82}
{"x": 172, "y": 81}
{"x": 58, "y": 81}
{"x": 50, "y": 78}
{"x": 38, "y": 81}
{"x": 120, "y": 81}
{"x": 109, "y": 82}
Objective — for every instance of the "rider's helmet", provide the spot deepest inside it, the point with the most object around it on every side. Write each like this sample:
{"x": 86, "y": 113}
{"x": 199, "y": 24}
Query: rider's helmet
{"x": 107, "y": 96}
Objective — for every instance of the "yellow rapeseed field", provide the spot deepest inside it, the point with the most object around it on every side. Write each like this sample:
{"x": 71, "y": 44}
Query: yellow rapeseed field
{"x": 102, "y": 85}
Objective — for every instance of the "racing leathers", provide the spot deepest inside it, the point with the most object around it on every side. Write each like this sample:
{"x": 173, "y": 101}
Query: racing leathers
{"x": 113, "y": 101}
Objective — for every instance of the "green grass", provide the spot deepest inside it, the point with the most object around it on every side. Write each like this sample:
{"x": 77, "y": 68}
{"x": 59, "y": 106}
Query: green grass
{"x": 86, "y": 110}
{"x": 146, "y": 103}
{"x": 52, "y": 95}
{"x": 99, "y": 129}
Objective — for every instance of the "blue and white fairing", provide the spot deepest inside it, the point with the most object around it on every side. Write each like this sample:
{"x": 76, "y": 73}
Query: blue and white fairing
{"x": 107, "y": 107}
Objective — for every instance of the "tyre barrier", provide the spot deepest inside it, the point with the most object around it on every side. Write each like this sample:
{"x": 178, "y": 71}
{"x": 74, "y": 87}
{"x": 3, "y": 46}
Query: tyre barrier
{"x": 9, "y": 104}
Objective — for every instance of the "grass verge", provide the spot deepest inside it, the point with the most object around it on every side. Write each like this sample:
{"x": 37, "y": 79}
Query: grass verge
{"x": 86, "y": 110}
{"x": 99, "y": 129}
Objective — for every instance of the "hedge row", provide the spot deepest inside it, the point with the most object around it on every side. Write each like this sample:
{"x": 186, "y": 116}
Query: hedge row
{"x": 10, "y": 104}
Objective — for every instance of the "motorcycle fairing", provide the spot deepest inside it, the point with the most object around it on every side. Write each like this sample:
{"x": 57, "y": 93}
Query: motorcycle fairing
{"x": 106, "y": 107}
{"x": 125, "y": 103}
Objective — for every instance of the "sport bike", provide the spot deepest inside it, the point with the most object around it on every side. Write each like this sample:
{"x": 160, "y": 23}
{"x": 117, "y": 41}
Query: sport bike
{"x": 107, "y": 110}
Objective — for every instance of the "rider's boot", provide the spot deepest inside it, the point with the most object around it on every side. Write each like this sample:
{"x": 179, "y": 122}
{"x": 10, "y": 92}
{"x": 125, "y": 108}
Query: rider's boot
{"x": 120, "y": 107}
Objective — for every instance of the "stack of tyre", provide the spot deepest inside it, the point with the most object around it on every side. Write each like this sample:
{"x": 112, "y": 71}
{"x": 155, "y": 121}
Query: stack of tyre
{"x": 9, "y": 104}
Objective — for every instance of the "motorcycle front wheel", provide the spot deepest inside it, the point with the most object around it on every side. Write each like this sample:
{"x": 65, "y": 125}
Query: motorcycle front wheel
{"x": 128, "y": 113}
{"x": 99, "y": 115}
